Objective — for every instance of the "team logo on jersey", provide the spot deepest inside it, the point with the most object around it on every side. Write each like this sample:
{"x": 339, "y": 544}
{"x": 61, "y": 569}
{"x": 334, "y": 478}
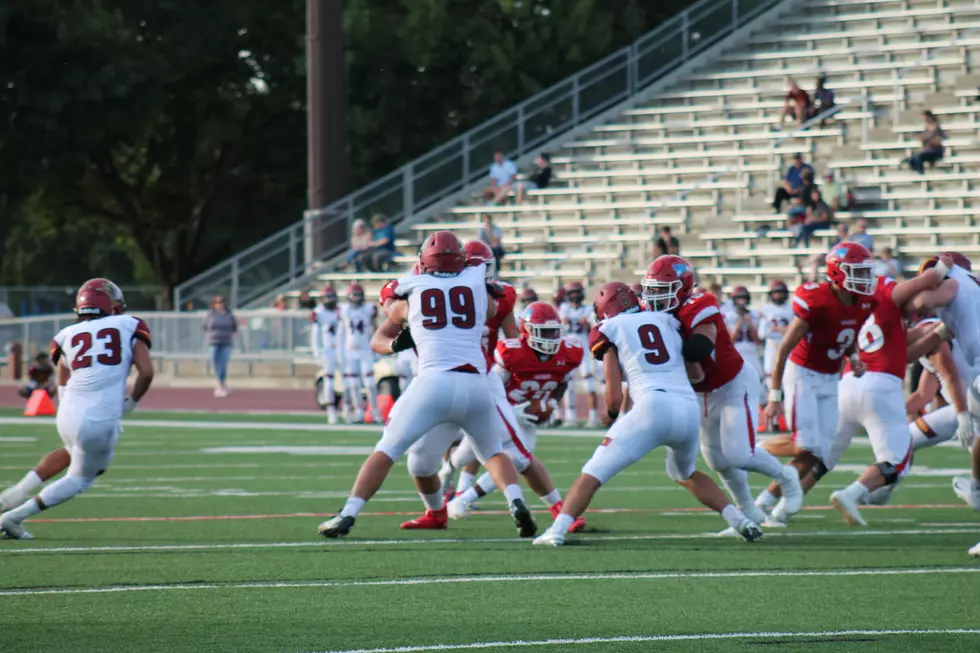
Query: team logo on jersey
{"x": 542, "y": 377}
{"x": 865, "y": 306}
{"x": 848, "y": 322}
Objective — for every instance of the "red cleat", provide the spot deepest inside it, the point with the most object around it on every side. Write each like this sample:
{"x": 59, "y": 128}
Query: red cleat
{"x": 432, "y": 520}
{"x": 577, "y": 526}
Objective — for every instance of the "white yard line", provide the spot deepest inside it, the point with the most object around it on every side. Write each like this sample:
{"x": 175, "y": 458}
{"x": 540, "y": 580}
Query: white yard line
{"x": 660, "y": 638}
{"x": 6, "y": 549}
{"x": 452, "y": 580}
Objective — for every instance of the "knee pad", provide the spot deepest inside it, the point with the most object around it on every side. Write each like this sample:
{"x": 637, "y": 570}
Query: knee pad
{"x": 889, "y": 472}
{"x": 819, "y": 470}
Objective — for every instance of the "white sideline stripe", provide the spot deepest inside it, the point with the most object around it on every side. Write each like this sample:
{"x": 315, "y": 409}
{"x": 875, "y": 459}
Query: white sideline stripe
{"x": 450, "y": 580}
{"x": 460, "y": 540}
{"x": 657, "y": 638}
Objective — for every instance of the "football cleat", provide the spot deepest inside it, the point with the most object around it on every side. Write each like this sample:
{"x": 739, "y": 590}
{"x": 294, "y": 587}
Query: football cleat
{"x": 847, "y": 508}
{"x": 967, "y": 490}
{"x": 549, "y": 538}
{"x": 526, "y": 526}
{"x": 789, "y": 483}
{"x": 337, "y": 526}
{"x": 432, "y": 520}
{"x": 753, "y": 513}
{"x": 779, "y": 516}
{"x": 577, "y": 526}
{"x": 457, "y": 508}
{"x": 975, "y": 551}
{"x": 749, "y": 530}
{"x": 13, "y": 528}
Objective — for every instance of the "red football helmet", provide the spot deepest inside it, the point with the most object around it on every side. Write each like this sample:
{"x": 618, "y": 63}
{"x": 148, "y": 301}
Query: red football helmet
{"x": 739, "y": 293}
{"x": 668, "y": 283}
{"x": 778, "y": 292}
{"x": 614, "y": 298}
{"x": 541, "y": 328}
{"x": 478, "y": 252}
{"x": 575, "y": 292}
{"x": 95, "y": 298}
{"x": 561, "y": 296}
{"x": 958, "y": 258}
{"x": 329, "y": 295}
{"x": 442, "y": 255}
{"x": 850, "y": 266}
{"x": 355, "y": 294}
{"x": 528, "y": 296}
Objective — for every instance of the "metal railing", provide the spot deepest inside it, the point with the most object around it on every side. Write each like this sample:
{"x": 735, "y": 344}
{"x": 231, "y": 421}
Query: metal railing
{"x": 266, "y": 333}
{"x": 437, "y": 176}
{"x": 46, "y": 300}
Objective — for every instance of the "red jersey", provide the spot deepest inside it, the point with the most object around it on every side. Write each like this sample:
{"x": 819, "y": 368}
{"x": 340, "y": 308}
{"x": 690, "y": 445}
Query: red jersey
{"x": 532, "y": 378}
{"x": 883, "y": 341}
{"x": 833, "y": 326}
{"x": 506, "y": 298}
{"x": 725, "y": 362}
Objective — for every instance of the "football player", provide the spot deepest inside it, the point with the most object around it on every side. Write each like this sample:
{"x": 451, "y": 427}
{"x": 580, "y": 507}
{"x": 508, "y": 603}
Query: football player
{"x": 97, "y": 351}
{"x": 357, "y": 325}
{"x": 743, "y": 328}
{"x": 528, "y": 296}
{"x": 575, "y": 315}
{"x": 775, "y": 319}
{"x": 649, "y": 348}
{"x": 729, "y": 389}
{"x": 535, "y": 370}
{"x": 445, "y": 308}
{"x": 323, "y": 342}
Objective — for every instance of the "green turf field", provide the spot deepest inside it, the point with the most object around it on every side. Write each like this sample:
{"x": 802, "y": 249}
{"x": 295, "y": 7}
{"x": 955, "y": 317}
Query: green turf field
{"x": 202, "y": 537}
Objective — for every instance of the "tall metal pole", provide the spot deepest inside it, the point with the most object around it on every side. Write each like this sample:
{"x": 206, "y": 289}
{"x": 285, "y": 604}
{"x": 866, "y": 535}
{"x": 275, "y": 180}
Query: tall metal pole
{"x": 327, "y": 170}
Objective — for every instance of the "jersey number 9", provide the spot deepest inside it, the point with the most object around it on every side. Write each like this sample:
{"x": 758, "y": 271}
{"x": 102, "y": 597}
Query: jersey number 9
{"x": 652, "y": 342}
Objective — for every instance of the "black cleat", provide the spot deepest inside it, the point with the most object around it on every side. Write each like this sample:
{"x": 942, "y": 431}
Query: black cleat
{"x": 337, "y": 526}
{"x": 526, "y": 526}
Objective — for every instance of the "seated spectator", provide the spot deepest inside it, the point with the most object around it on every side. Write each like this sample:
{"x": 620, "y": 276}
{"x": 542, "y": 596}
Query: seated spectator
{"x": 493, "y": 237}
{"x": 382, "y": 245}
{"x": 360, "y": 243}
{"x": 932, "y": 144}
{"x": 888, "y": 265}
{"x": 817, "y": 259}
{"x": 280, "y": 303}
{"x": 802, "y": 198}
{"x": 798, "y": 105}
{"x": 40, "y": 376}
{"x": 823, "y": 99}
{"x": 861, "y": 235}
{"x": 305, "y": 301}
{"x": 539, "y": 178}
{"x": 837, "y": 196}
{"x": 817, "y": 217}
{"x": 502, "y": 174}
{"x": 666, "y": 243}
{"x": 792, "y": 181}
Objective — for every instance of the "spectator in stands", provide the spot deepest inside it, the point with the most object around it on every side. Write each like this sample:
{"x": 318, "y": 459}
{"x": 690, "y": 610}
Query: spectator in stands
{"x": 666, "y": 243}
{"x": 382, "y": 244}
{"x": 305, "y": 301}
{"x": 802, "y": 198}
{"x": 280, "y": 303}
{"x": 817, "y": 217}
{"x": 798, "y": 105}
{"x": 792, "y": 181}
{"x": 502, "y": 174}
{"x": 889, "y": 266}
{"x": 862, "y": 236}
{"x": 817, "y": 259}
{"x": 493, "y": 237}
{"x": 837, "y": 196}
{"x": 932, "y": 144}
{"x": 40, "y": 376}
{"x": 539, "y": 178}
{"x": 220, "y": 326}
{"x": 360, "y": 243}
{"x": 823, "y": 99}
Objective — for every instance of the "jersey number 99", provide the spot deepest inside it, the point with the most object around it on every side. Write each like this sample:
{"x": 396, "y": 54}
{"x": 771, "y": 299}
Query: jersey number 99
{"x": 459, "y": 309}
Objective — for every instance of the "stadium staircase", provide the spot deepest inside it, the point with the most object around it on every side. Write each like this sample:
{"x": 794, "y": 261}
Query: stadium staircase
{"x": 704, "y": 154}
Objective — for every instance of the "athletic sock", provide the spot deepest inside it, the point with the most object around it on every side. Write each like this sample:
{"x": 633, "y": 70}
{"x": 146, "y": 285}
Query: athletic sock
{"x": 857, "y": 491}
{"x": 766, "y": 499}
{"x": 468, "y": 497}
{"x": 513, "y": 492}
{"x": 562, "y": 523}
{"x": 466, "y": 481}
{"x": 593, "y": 415}
{"x": 552, "y": 498}
{"x": 30, "y": 484}
{"x": 737, "y": 482}
{"x": 485, "y": 484}
{"x": 353, "y": 507}
{"x": 27, "y": 509}
{"x": 732, "y": 515}
{"x": 432, "y": 501}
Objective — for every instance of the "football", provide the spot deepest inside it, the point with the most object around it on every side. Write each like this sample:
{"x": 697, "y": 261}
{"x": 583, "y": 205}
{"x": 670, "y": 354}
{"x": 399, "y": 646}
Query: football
{"x": 539, "y": 409}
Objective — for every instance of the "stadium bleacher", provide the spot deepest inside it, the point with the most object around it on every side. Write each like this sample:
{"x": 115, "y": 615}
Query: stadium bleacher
{"x": 703, "y": 155}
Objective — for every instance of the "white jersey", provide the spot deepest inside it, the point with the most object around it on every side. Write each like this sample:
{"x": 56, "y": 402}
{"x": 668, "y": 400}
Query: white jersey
{"x": 742, "y": 340}
{"x": 962, "y": 316}
{"x": 962, "y": 367}
{"x": 773, "y": 316}
{"x": 447, "y": 316}
{"x": 574, "y": 316}
{"x": 326, "y": 324}
{"x": 99, "y": 354}
{"x": 649, "y": 348}
{"x": 358, "y": 325}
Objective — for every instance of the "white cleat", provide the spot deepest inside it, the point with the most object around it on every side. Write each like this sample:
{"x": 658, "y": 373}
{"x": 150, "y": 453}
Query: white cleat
{"x": 457, "y": 509}
{"x": 13, "y": 528}
{"x": 778, "y": 518}
{"x": 965, "y": 489}
{"x": 975, "y": 551}
{"x": 549, "y": 538}
{"x": 847, "y": 507}
{"x": 332, "y": 418}
{"x": 792, "y": 499}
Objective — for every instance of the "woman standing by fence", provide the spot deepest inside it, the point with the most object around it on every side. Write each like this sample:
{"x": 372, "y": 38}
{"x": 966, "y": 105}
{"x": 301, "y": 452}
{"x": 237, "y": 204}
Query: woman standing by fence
{"x": 220, "y": 326}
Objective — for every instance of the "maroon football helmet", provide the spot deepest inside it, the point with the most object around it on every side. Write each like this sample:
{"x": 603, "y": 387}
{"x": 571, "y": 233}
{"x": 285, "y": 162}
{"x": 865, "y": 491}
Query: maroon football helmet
{"x": 958, "y": 258}
{"x": 740, "y": 293}
{"x": 355, "y": 294}
{"x": 850, "y": 266}
{"x": 668, "y": 283}
{"x": 329, "y": 296}
{"x": 575, "y": 293}
{"x": 528, "y": 296}
{"x": 778, "y": 292}
{"x": 478, "y": 252}
{"x": 442, "y": 255}
{"x": 614, "y": 298}
{"x": 95, "y": 299}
